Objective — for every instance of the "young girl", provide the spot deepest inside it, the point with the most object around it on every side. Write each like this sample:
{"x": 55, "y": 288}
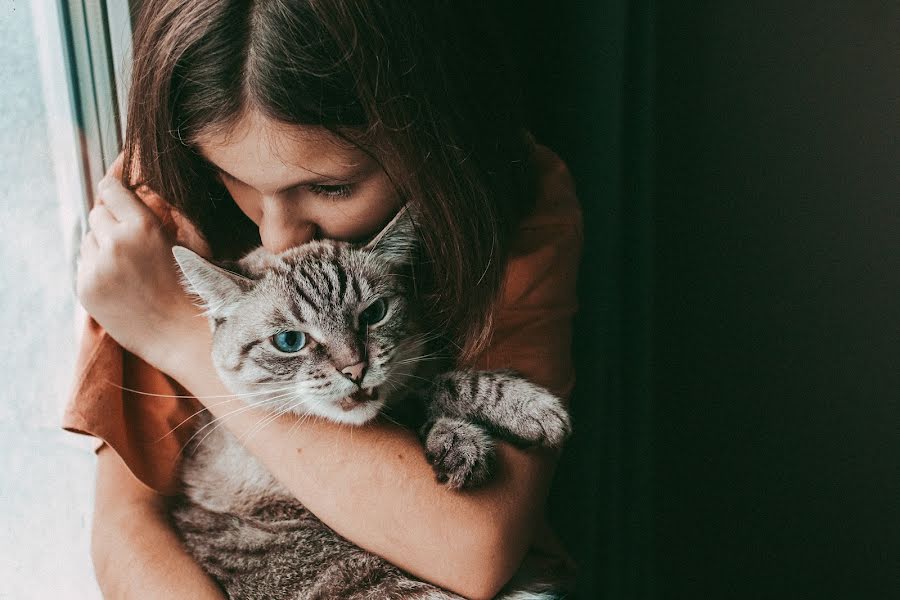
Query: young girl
{"x": 276, "y": 123}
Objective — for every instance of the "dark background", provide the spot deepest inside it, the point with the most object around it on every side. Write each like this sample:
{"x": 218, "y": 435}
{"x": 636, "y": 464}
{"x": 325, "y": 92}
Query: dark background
{"x": 739, "y": 341}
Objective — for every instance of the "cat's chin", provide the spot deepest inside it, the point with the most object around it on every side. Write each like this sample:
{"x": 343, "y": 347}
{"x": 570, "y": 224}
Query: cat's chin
{"x": 350, "y": 412}
{"x": 356, "y": 409}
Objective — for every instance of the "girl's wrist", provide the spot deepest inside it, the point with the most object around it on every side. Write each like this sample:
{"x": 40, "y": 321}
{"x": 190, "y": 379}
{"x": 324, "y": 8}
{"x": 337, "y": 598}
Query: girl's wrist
{"x": 183, "y": 349}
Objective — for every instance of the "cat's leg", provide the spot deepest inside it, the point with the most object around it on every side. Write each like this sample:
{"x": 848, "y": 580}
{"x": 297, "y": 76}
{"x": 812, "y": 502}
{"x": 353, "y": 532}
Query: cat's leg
{"x": 505, "y": 403}
{"x": 460, "y": 451}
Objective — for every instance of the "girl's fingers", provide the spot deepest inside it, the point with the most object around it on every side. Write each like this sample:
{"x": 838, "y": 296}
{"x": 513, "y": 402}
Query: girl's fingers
{"x": 122, "y": 204}
{"x": 101, "y": 220}
{"x": 89, "y": 245}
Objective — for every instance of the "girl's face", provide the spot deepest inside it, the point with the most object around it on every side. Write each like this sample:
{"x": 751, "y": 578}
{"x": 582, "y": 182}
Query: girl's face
{"x": 301, "y": 183}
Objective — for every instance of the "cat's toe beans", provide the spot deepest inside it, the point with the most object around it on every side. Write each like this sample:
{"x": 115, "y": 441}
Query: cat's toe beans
{"x": 464, "y": 468}
{"x": 480, "y": 469}
{"x": 460, "y": 452}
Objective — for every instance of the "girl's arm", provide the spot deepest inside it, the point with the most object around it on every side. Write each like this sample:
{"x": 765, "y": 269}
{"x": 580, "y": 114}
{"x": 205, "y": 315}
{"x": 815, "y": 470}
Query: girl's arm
{"x": 135, "y": 552}
{"x": 373, "y": 485}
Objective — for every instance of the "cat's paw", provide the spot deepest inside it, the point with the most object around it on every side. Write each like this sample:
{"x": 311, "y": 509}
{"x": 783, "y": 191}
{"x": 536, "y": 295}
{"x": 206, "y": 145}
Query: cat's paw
{"x": 540, "y": 418}
{"x": 504, "y": 403}
{"x": 461, "y": 453}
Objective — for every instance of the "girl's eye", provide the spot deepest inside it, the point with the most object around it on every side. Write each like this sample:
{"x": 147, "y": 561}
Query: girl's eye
{"x": 289, "y": 341}
{"x": 374, "y": 313}
{"x": 331, "y": 191}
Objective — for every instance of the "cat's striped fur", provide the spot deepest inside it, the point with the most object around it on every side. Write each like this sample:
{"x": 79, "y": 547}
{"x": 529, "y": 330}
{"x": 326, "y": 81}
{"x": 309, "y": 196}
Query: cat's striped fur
{"x": 243, "y": 527}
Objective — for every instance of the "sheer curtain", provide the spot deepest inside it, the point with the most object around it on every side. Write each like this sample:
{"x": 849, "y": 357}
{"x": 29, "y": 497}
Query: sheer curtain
{"x": 59, "y": 129}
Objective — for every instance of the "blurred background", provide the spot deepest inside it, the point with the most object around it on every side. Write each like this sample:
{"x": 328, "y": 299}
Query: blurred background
{"x": 738, "y": 408}
{"x": 46, "y": 475}
{"x": 738, "y": 348}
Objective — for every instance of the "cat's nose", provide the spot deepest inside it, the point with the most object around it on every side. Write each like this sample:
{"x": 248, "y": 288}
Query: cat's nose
{"x": 355, "y": 372}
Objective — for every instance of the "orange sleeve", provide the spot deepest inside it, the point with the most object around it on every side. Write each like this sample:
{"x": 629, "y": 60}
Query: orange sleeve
{"x": 533, "y": 329}
{"x": 146, "y": 429}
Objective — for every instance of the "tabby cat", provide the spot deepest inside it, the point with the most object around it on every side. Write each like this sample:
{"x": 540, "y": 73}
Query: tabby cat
{"x": 330, "y": 329}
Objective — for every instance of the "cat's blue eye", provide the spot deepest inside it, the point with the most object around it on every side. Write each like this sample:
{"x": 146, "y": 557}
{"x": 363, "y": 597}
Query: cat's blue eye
{"x": 374, "y": 313}
{"x": 289, "y": 341}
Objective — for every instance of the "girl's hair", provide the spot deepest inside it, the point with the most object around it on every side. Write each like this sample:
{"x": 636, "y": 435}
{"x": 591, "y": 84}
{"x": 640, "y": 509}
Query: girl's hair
{"x": 422, "y": 86}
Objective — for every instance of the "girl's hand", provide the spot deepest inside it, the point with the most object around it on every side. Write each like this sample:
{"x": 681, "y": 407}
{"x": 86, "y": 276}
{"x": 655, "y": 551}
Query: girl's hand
{"x": 127, "y": 278}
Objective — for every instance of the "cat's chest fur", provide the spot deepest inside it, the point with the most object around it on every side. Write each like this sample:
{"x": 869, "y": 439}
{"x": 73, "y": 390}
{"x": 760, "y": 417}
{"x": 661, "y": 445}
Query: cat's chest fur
{"x": 220, "y": 475}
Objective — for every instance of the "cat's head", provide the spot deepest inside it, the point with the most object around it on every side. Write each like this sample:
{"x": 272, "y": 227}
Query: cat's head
{"x": 327, "y": 328}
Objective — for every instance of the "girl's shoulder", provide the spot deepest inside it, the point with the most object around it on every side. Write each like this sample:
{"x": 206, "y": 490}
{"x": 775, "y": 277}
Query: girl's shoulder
{"x": 546, "y": 248}
{"x": 556, "y": 203}
{"x": 533, "y": 323}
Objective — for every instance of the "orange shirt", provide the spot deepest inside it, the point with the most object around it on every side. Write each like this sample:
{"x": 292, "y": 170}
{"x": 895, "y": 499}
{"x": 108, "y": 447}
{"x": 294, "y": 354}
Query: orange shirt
{"x": 532, "y": 335}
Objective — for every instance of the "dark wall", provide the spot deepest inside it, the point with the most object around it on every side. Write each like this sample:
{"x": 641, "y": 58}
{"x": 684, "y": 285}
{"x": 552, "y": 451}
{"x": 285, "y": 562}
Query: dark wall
{"x": 776, "y": 320}
{"x": 739, "y": 342}
{"x": 587, "y": 70}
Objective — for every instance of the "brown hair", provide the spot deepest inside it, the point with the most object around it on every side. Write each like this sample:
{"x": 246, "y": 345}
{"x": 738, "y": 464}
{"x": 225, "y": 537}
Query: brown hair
{"x": 423, "y": 86}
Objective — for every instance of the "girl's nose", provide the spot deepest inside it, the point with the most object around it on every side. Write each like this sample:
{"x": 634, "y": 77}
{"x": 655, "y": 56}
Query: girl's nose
{"x": 279, "y": 230}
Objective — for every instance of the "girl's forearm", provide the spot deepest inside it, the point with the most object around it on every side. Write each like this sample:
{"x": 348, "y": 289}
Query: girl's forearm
{"x": 136, "y": 553}
{"x": 373, "y": 485}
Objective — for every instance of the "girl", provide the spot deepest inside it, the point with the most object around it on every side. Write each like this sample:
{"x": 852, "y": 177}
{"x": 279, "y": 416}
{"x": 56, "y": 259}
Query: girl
{"x": 276, "y": 123}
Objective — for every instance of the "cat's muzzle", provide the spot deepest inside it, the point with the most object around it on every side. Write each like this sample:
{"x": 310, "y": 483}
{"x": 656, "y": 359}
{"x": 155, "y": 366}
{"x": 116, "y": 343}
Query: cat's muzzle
{"x": 358, "y": 398}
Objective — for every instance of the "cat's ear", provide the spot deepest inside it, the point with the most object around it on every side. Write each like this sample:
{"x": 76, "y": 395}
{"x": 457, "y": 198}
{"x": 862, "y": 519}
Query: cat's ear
{"x": 219, "y": 288}
{"x": 397, "y": 242}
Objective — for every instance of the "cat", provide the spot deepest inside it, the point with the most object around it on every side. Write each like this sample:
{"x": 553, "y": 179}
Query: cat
{"x": 331, "y": 329}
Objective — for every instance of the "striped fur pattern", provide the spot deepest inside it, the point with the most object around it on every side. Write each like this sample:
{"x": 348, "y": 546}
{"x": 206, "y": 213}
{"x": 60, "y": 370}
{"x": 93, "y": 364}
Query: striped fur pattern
{"x": 244, "y": 528}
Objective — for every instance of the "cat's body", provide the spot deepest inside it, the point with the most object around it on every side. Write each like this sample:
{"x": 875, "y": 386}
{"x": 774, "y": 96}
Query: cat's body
{"x": 328, "y": 329}
{"x": 258, "y": 541}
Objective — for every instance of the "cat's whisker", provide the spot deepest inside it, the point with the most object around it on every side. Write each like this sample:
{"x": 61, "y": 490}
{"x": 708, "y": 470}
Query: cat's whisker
{"x": 262, "y": 424}
{"x": 187, "y": 396}
{"x": 134, "y": 391}
{"x": 398, "y": 385}
{"x": 430, "y": 335}
{"x": 215, "y": 424}
{"x": 218, "y": 423}
{"x": 299, "y": 402}
{"x": 425, "y": 379}
{"x": 220, "y": 420}
{"x": 275, "y": 416}
{"x": 418, "y": 359}
{"x": 394, "y": 421}
{"x": 172, "y": 431}
{"x": 301, "y": 418}
{"x": 420, "y": 340}
{"x": 389, "y": 381}
{"x": 307, "y": 416}
{"x": 204, "y": 409}
{"x": 417, "y": 347}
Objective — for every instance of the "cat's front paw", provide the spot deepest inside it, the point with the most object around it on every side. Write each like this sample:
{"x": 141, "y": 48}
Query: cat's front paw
{"x": 504, "y": 403}
{"x": 540, "y": 418}
{"x": 461, "y": 453}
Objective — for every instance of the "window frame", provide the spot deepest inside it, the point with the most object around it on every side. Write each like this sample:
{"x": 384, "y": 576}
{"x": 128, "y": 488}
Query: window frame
{"x": 84, "y": 52}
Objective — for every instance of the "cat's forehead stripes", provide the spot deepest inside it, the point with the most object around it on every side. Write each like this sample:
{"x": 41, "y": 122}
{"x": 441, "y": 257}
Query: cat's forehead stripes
{"x": 322, "y": 288}
{"x": 327, "y": 286}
